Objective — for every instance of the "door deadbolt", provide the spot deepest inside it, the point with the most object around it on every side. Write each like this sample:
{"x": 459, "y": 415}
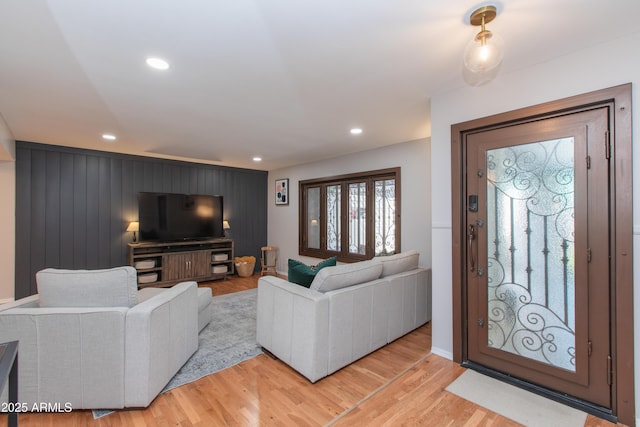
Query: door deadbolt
{"x": 473, "y": 203}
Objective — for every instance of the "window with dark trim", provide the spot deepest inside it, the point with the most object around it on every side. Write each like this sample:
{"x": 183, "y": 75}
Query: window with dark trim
{"x": 353, "y": 217}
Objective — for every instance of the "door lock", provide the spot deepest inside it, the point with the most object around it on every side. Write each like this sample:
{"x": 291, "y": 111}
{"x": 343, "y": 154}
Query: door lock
{"x": 473, "y": 203}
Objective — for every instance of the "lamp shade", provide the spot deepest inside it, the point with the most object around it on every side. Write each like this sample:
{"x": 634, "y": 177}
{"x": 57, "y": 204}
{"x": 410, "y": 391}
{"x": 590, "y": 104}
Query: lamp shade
{"x": 484, "y": 52}
{"x": 133, "y": 226}
{"x": 225, "y": 225}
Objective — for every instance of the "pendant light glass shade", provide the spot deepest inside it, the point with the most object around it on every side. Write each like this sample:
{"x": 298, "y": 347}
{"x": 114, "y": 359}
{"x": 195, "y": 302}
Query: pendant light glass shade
{"x": 484, "y": 52}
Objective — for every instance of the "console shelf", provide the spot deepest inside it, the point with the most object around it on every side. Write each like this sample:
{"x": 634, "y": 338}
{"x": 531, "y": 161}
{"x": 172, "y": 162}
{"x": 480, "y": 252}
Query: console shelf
{"x": 165, "y": 264}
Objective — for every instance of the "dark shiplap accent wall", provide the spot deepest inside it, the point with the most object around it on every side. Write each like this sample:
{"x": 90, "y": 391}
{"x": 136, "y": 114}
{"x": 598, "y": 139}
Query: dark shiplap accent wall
{"x": 73, "y": 205}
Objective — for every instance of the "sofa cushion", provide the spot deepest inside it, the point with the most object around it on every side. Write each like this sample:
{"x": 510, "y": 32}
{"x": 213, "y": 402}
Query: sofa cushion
{"x": 398, "y": 263}
{"x": 341, "y": 276}
{"x": 148, "y": 293}
{"x": 302, "y": 274}
{"x": 114, "y": 287}
{"x": 205, "y": 298}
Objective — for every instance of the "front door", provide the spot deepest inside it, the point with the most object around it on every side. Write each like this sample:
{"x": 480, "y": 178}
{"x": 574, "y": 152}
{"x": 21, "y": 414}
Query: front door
{"x": 538, "y": 253}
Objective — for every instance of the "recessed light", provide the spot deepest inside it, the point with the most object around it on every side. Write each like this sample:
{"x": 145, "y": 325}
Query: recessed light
{"x": 157, "y": 63}
{"x": 257, "y": 159}
{"x": 356, "y": 131}
{"x": 108, "y": 137}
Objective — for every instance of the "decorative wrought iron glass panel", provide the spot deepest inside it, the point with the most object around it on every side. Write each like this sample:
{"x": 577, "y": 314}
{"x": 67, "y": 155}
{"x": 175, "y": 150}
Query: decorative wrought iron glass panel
{"x": 530, "y": 250}
{"x": 333, "y": 217}
{"x": 313, "y": 218}
{"x": 385, "y": 216}
{"x": 358, "y": 218}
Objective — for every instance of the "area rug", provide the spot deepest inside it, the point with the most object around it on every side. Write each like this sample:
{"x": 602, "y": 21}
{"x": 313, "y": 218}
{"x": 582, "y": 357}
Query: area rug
{"x": 229, "y": 339}
{"x": 519, "y": 405}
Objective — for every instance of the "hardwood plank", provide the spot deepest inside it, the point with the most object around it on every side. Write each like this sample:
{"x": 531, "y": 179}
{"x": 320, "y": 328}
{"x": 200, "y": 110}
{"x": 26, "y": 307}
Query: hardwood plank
{"x": 232, "y": 284}
{"x": 399, "y": 384}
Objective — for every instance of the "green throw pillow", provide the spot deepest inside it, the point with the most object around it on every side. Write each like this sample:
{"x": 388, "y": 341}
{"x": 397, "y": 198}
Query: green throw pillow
{"x": 329, "y": 262}
{"x": 300, "y": 273}
{"x": 303, "y": 274}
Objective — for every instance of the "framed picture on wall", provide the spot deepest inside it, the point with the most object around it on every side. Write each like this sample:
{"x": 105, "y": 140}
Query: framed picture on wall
{"x": 282, "y": 191}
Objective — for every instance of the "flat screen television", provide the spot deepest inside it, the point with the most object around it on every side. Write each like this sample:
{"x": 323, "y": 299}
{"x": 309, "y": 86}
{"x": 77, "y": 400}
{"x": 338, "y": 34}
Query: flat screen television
{"x": 170, "y": 217}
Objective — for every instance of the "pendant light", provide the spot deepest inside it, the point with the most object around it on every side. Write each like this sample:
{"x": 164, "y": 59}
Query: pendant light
{"x": 485, "y": 51}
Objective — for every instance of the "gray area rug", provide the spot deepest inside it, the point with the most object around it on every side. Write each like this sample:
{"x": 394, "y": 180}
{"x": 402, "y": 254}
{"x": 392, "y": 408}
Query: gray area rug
{"x": 519, "y": 405}
{"x": 229, "y": 339}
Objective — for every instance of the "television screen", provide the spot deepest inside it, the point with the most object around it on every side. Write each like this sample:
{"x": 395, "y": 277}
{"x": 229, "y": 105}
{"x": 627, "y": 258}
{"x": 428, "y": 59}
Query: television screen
{"x": 169, "y": 217}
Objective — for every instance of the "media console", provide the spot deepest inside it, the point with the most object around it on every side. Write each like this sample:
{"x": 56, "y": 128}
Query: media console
{"x": 165, "y": 264}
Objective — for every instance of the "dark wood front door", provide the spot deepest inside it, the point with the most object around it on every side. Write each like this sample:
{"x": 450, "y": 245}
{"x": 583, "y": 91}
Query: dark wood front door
{"x": 538, "y": 253}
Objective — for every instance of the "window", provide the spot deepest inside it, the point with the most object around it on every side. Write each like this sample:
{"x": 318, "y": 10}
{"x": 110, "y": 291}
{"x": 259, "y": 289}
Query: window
{"x": 353, "y": 217}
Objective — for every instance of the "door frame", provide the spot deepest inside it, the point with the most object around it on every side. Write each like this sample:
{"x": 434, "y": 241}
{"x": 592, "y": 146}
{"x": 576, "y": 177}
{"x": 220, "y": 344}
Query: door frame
{"x": 618, "y": 101}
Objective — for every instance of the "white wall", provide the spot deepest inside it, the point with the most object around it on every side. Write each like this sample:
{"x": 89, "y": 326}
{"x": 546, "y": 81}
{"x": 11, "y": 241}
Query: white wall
{"x": 599, "y": 67}
{"x": 413, "y": 157}
{"x": 7, "y": 213}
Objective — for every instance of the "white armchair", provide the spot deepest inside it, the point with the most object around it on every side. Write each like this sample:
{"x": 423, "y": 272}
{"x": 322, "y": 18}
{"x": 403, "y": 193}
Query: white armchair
{"x": 73, "y": 350}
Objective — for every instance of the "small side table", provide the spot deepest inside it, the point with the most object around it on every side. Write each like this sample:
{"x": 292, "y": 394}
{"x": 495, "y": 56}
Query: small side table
{"x": 9, "y": 370}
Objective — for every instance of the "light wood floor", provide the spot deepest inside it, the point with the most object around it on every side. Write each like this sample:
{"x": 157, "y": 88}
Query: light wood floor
{"x": 400, "y": 384}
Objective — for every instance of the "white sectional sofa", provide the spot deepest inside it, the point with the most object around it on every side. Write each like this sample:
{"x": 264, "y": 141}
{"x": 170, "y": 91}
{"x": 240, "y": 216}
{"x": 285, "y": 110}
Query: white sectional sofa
{"x": 91, "y": 340}
{"x": 349, "y": 311}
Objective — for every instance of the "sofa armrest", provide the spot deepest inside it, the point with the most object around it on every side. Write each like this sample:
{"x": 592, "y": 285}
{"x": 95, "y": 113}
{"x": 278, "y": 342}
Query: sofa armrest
{"x": 161, "y": 334}
{"x": 32, "y": 301}
{"x": 293, "y": 324}
{"x": 68, "y": 355}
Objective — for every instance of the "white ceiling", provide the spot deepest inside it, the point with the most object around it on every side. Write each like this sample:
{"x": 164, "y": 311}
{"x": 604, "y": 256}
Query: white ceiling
{"x": 282, "y": 79}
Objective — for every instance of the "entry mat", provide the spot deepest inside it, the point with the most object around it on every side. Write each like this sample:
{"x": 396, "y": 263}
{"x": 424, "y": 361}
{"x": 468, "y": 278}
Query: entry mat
{"x": 519, "y": 405}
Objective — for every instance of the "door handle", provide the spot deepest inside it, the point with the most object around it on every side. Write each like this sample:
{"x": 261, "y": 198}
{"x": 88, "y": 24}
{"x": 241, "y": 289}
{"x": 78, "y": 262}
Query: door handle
{"x": 471, "y": 235}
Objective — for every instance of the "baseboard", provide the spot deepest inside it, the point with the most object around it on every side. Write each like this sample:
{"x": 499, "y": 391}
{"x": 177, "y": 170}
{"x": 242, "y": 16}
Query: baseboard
{"x": 268, "y": 353}
{"x": 6, "y": 300}
{"x": 442, "y": 353}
